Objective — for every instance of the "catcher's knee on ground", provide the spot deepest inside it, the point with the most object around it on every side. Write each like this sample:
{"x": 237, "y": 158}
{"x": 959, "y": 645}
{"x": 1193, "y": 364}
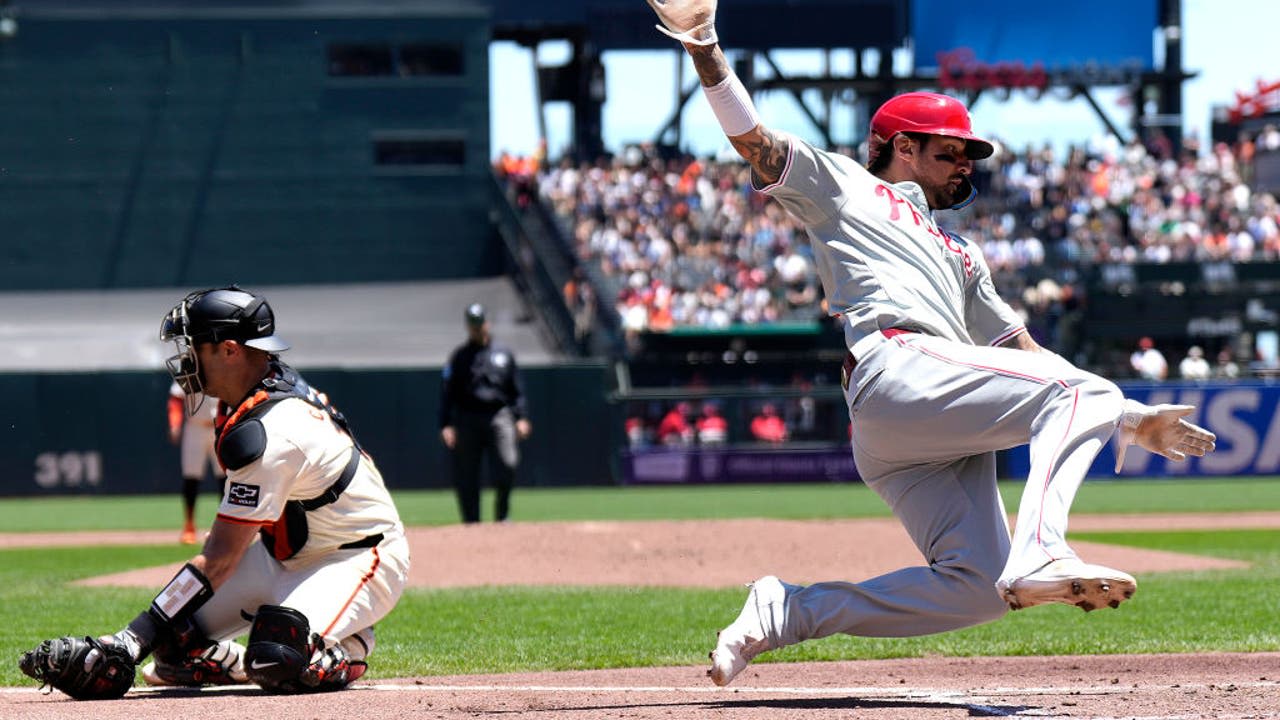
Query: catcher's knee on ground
{"x": 284, "y": 656}
{"x": 279, "y": 648}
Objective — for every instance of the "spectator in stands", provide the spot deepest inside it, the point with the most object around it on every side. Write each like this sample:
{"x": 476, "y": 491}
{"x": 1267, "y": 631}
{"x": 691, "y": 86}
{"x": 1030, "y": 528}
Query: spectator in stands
{"x": 521, "y": 173}
{"x": 802, "y": 412}
{"x": 579, "y": 298}
{"x": 482, "y": 412}
{"x": 674, "y": 429}
{"x": 637, "y": 435}
{"x": 768, "y": 426}
{"x": 1226, "y": 367}
{"x": 713, "y": 429}
{"x": 1148, "y": 362}
{"x": 1194, "y": 366}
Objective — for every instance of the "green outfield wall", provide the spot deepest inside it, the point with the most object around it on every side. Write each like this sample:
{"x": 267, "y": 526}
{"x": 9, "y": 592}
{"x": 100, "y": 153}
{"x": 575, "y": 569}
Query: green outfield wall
{"x": 106, "y": 433}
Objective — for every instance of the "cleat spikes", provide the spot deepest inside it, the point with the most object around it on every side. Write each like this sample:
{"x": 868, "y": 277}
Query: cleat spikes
{"x": 1069, "y": 581}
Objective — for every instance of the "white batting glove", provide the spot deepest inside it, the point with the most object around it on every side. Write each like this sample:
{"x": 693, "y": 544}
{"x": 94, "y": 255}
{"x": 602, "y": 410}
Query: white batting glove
{"x": 1161, "y": 429}
{"x": 689, "y": 21}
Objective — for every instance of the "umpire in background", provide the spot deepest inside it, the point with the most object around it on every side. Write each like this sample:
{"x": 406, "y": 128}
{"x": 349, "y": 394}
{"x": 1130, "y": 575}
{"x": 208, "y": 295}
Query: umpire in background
{"x": 482, "y": 408}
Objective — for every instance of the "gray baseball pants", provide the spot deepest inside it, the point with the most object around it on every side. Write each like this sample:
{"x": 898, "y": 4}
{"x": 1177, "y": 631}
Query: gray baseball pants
{"x": 928, "y": 415}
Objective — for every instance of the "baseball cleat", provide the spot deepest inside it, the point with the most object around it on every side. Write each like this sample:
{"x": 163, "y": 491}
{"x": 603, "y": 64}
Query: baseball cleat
{"x": 188, "y": 536}
{"x": 1069, "y": 581}
{"x": 330, "y": 668}
{"x": 219, "y": 664}
{"x": 749, "y": 635}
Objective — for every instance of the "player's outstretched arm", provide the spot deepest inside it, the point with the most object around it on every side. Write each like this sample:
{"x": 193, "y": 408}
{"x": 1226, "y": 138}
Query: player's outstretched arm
{"x": 692, "y": 22}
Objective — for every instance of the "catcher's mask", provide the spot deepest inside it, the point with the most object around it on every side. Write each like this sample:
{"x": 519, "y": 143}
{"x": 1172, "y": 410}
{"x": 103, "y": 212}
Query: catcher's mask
{"x": 211, "y": 316}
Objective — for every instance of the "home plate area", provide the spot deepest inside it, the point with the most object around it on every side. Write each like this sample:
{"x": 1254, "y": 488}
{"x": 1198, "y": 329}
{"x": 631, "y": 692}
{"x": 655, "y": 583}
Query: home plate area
{"x": 1218, "y": 685}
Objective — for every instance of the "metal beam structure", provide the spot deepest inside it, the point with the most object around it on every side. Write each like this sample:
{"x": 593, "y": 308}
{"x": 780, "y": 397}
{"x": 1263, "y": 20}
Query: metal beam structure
{"x": 865, "y": 89}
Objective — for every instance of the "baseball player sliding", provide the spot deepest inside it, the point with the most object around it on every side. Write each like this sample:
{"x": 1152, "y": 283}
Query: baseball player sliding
{"x": 307, "y": 551}
{"x": 940, "y": 374}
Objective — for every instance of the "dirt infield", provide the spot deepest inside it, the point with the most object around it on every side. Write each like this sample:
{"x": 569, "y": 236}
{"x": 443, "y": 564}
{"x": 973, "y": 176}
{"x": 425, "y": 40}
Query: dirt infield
{"x": 688, "y": 553}
{"x": 1164, "y": 687}
{"x": 692, "y": 554}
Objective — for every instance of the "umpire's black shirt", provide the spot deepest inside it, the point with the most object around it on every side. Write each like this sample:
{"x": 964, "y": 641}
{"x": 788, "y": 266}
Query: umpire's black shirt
{"x": 480, "y": 378}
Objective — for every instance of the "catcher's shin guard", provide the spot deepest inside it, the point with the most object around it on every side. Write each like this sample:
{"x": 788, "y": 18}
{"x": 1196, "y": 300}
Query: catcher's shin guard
{"x": 279, "y": 648}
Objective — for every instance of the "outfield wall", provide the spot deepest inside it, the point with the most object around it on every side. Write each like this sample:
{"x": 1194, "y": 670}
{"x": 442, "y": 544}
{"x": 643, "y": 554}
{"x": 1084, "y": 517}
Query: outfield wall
{"x": 106, "y": 433}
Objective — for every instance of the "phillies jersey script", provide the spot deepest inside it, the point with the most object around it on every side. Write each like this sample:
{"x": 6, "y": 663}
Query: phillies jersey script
{"x": 882, "y": 259}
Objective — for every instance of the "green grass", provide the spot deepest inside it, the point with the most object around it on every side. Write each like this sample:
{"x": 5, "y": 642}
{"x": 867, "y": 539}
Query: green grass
{"x": 476, "y": 630}
{"x": 438, "y": 507}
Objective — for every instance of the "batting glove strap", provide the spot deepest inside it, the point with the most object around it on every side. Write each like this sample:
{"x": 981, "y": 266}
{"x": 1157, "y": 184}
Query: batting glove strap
{"x": 702, "y": 35}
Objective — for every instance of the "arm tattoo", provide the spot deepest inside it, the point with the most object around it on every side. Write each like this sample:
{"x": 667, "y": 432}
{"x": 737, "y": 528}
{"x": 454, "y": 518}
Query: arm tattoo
{"x": 710, "y": 63}
{"x": 766, "y": 151}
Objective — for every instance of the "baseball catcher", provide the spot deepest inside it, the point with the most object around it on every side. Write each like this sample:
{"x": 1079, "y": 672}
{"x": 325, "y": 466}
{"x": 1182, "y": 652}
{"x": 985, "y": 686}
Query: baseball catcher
{"x": 307, "y": 551}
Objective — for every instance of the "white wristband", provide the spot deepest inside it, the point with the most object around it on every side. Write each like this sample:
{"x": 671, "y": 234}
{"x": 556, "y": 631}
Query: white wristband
{"x": 732, "y": 106}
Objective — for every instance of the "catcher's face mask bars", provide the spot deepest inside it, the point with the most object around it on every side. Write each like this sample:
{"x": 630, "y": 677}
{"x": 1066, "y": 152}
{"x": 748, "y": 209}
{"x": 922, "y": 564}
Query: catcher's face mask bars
{"x": 184, "y": 365}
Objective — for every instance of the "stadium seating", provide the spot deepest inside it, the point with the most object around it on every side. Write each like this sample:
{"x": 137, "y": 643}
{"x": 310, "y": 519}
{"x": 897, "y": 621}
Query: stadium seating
{"x": 687, "y": 242}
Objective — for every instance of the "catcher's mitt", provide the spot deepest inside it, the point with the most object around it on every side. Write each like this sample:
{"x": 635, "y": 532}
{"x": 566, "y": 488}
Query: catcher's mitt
{"x": 84, "y": 668}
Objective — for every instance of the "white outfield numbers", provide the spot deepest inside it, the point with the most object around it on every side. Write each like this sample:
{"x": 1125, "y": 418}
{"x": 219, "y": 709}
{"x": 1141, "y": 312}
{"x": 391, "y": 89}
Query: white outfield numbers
{"x": 75, "y": 468}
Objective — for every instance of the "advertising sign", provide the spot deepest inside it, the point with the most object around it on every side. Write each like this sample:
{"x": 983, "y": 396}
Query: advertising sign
{"x": 1244, "y": 416}
{"x": 1054, "y": 35}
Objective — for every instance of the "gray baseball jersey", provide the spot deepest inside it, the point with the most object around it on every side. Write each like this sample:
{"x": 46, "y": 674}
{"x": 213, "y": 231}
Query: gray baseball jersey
{"x": 883, "y": 261}
{"x": 931, "y": 406}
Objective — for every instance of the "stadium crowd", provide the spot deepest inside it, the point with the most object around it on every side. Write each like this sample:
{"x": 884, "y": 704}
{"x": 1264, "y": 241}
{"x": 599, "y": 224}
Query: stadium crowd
{"x": 687, "y": 242}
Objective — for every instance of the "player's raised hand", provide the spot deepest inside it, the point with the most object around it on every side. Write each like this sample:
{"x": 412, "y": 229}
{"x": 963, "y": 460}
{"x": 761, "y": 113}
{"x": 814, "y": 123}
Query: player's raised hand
{"x": 1163, "y": 430}
{"x": 689, "y": 21}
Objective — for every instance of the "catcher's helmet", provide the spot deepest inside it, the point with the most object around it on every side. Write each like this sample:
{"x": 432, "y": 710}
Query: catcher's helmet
{"x": 929, "y": 113}
{"x": 210, "y": 316}
{"x": 224, "y": 314}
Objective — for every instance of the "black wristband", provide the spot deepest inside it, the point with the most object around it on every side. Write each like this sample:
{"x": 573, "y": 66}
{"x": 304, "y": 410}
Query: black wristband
{"x": 141, "y": 634}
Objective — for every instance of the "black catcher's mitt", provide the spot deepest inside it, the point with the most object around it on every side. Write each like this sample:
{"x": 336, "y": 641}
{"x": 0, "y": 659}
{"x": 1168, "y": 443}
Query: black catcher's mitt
{"x": 84, "y": 668}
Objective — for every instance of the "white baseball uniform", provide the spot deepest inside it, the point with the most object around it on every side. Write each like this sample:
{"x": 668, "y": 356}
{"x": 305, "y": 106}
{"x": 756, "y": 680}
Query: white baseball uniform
{"x": 931, "y": 399}
{"x": 342, "y": 591}
{"x": 196, "y": 440}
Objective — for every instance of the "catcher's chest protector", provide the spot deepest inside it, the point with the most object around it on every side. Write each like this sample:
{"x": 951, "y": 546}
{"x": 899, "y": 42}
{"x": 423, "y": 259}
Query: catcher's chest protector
{"x": 242, "y": 439}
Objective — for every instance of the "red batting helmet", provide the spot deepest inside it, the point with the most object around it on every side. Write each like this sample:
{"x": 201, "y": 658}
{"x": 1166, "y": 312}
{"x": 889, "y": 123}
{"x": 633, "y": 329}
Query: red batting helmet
{"x": 929, "y": 113}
